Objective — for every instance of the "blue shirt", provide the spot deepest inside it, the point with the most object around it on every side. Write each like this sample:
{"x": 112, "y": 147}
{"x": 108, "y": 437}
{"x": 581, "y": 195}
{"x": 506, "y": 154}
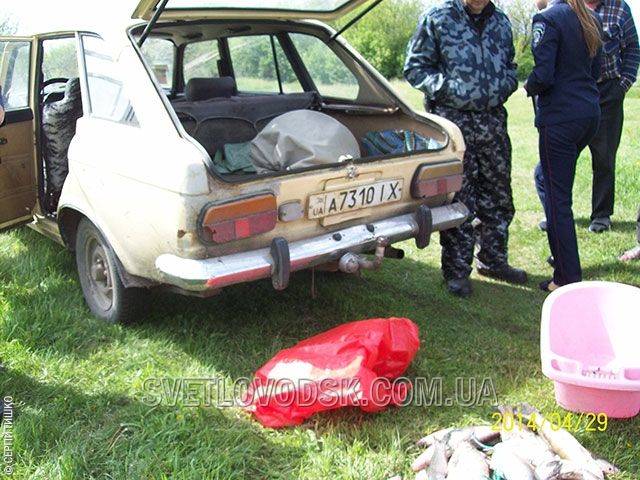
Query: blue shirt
{"x": 621, "y": 53}
{"x": 564, "y": 76}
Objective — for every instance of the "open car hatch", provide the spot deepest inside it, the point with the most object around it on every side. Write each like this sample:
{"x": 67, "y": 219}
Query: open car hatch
{"x": 325, "y": 10}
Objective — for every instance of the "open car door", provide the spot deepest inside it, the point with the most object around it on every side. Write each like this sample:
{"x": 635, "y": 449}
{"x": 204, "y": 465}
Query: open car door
{"x": 18, "y": 174}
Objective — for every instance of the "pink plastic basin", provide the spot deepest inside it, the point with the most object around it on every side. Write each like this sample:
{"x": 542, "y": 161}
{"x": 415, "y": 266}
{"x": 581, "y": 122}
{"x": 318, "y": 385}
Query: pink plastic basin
{"x": 590, "y": 347}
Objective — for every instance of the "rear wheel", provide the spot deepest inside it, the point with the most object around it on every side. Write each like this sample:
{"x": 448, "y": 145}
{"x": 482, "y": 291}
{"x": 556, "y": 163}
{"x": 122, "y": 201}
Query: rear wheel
{"x": 103, "y": 290}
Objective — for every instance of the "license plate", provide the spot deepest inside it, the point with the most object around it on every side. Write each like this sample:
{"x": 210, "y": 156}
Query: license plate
{"x": 349, "y": 199}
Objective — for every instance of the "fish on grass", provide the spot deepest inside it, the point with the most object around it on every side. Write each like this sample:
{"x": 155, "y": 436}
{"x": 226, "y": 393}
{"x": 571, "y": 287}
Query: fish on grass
{"x": 479, "y": 436}
{"x": 564, "y": 470}
{"x": 483, "y": 452}
{"x": 468, "y": 463}
{"x": 438, "y": 466}
{"x": 525, "y": 442}
{"x": 563, "y": 443}
{"x": 507, "y": 463}
{"x": 481, "y": 433}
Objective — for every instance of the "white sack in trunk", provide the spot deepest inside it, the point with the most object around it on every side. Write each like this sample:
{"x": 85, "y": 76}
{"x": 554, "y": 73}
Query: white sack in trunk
{"x": 302, "y": 138}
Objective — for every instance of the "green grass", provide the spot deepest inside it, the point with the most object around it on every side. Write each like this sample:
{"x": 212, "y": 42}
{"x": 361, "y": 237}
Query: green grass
{"x": 78, "y": 384}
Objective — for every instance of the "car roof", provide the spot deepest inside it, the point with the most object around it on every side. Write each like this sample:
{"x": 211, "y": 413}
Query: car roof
{"x": 325, "y": 10}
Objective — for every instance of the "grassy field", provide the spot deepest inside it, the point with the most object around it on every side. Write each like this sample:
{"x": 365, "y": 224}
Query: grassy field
{"x": 80, "y": 405}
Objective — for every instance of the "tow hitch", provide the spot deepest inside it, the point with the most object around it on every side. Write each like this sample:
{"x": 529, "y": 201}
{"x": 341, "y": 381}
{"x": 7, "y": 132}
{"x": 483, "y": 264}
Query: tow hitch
{"x": 353, "y": 263}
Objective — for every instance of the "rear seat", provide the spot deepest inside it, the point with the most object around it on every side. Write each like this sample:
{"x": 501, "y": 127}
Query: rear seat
{"x": 215, "y": 115}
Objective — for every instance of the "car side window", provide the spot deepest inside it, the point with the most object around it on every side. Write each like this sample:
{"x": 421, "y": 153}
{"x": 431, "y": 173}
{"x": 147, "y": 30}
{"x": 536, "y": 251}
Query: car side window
{"x": 107, "y": 97}
{"x": 330, "y": 75}
{"x": 201, "y": 60}
{"x": 160, "y": 54}
{"x": 60, "y": 58}
{"x": 260, "y": 65}
{"x": 14, "y": 65}
{"x": 59, "y": 64}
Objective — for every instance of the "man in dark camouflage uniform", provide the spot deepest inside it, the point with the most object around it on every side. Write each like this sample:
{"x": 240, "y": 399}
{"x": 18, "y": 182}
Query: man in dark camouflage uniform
{"x": 461, "y": 58}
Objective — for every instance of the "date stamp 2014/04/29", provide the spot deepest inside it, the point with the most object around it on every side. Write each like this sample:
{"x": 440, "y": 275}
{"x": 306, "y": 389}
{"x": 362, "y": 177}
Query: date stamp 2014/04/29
{"x": 590, "y": 422}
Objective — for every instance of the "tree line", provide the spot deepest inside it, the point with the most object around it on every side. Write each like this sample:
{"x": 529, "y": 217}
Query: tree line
{"x": 382, "y": 35}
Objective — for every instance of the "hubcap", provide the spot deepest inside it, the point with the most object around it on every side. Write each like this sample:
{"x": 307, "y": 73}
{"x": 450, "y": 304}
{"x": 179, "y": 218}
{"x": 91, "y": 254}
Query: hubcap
{"x": 99, "y": 274}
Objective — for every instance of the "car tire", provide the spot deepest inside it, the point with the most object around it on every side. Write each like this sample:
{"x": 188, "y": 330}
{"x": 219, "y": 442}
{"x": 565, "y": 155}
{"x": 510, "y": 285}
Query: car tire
{"x": 103, "y": 290}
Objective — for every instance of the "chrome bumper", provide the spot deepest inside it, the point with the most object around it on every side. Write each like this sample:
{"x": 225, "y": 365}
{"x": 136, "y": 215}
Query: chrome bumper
{"x": 282, "y": 257}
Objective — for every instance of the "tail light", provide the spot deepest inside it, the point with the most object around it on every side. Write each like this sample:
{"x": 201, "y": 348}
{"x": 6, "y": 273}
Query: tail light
{"x": 240, "y": 218}
{"x": 439, "y": 179}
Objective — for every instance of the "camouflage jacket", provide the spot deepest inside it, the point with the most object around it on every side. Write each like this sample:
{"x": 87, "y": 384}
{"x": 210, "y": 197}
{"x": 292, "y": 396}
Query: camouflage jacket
{"x": 456, "y": 64}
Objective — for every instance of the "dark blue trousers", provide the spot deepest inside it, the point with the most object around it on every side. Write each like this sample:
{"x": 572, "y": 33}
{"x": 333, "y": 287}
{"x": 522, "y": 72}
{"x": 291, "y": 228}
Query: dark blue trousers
{"x": 538, "y": 178}
{"x": 559, "y": 148}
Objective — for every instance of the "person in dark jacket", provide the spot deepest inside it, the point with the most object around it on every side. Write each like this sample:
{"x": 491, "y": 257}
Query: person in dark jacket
{"x": 566, "y": 45}
{"x": 618, "y": 72}
{"x": 620, "y": 60}
{"x": 461, "y": 57}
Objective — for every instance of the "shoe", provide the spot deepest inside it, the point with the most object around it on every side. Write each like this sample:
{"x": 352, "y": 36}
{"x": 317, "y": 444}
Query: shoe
{"x": 633, "y": 254}
{"x": 599, "y": 225}
{"x": 551, "y": 261}
{"x": 507, "y": 273}
{"x": 460, "y": 287}
{"x": 548, "y": 286}
{"x": 543, "y": 225}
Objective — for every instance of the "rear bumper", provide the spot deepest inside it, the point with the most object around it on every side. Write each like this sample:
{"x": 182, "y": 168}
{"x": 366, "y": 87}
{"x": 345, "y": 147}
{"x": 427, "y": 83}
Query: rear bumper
{"x": 282, "y": 258}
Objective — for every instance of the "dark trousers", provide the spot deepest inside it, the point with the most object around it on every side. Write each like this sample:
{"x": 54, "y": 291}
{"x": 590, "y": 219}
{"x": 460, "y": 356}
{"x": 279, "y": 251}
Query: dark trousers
{"x": 559, "y": 147}
{"x": 486, "y": 191}
{"x": 538, "y": 178}
{"x": 604, "y": 147}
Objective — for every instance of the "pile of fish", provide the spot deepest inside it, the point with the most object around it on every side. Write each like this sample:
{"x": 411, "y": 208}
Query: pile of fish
{"x": 542, "y": 452}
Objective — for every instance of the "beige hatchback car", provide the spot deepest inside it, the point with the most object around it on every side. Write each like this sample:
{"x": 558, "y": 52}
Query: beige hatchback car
{"x": 203, "y": 145}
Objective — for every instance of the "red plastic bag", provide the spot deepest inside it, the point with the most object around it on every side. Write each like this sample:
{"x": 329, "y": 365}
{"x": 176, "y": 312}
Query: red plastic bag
{"x": 355, "y": 364}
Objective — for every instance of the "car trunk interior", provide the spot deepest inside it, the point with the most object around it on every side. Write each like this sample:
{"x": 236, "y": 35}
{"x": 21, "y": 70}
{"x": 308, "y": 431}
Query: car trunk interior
{"x": 232, "y": 126}
{"x": 222, "y": 99}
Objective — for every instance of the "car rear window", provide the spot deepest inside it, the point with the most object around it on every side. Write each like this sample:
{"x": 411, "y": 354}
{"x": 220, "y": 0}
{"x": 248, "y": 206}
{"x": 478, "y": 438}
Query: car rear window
{"x": 331, "y": 76}
{"x": 260, "y": 65}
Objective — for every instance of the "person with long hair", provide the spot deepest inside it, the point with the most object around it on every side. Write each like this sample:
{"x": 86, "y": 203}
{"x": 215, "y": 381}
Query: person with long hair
{"x": 567, "y": 48}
